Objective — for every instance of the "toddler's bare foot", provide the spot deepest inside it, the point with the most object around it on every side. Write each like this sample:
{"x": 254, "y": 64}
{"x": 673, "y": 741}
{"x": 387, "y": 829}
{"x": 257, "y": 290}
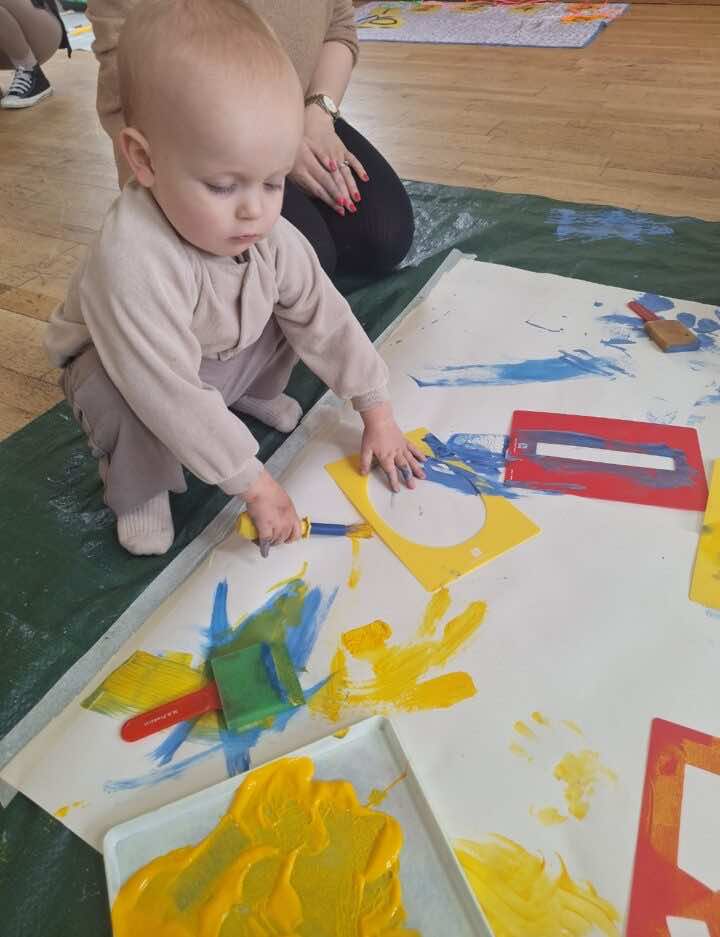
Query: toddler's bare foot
{"x": 147, "y": 530}
{"x": 282, "y": 412}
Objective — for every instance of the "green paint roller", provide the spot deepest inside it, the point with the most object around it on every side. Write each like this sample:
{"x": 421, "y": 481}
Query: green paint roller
{"x": 251, "y": 685}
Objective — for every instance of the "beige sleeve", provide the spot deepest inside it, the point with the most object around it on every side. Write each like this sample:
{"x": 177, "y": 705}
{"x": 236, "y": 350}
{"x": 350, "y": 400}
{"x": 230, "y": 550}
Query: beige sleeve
{"x": 342, "y": 27}
{"x": 320, "y": 326}
{"x": 137, "y": 301}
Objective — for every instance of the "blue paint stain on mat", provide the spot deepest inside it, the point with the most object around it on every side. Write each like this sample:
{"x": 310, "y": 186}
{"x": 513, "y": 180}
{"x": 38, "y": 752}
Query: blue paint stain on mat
{"x": 483, "y": 458}
{"x": 656, "y": 303}
{"x": 603, "y": 223}
{"x": 566, "y": 366}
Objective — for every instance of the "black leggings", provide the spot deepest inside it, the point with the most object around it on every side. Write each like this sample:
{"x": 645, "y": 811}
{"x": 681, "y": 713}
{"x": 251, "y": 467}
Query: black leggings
{"x": 377, "y": 237}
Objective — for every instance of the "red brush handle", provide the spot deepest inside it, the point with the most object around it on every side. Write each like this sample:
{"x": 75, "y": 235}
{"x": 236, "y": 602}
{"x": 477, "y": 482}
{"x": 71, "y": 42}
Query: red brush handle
{"x": 646, "y": 314}
{"x": 169, "y": 714}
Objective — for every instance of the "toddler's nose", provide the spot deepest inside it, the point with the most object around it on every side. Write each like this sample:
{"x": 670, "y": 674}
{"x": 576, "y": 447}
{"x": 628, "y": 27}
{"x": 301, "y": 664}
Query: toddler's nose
{"x": 249, "y": 207}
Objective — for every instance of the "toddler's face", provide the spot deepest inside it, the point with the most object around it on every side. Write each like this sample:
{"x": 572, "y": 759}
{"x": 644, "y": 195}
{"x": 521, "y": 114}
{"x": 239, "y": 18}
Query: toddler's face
{"x": 220, "y": 167}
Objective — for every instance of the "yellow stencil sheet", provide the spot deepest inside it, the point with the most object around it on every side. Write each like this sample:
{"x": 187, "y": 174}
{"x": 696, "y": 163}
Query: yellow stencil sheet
{"x": 505, "y": 527}
{"x": 705, "y": 586}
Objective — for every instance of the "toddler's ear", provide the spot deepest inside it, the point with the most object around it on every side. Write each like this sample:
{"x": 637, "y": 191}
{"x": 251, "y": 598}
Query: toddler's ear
{"x": 136, "y": 150}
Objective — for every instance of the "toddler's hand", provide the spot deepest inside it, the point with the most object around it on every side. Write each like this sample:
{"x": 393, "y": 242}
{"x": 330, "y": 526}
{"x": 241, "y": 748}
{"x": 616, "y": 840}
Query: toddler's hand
{"x": 383, "y": 440}
{"x": 272, "y": 512}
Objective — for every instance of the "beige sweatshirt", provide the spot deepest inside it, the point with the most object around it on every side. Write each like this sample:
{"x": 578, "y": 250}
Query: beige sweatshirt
{"x": 302, "y": 26}
{"x": 154, "y": 306}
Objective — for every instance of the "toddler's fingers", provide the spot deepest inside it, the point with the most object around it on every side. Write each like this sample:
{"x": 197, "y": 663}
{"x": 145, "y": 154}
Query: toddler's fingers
{"x": 406, "y": 473}
{"x": 265, "y": 544}
{"x": 390, "y": 469}
{"x": 366, "y": 457}
{"x": 416, "y": 467}
{"x": 417, "y": 453}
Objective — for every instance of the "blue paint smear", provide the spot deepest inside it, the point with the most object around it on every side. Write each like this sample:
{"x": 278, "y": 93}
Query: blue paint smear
{"x": 603, "y": 223}
{"x": 236, "y": 746}
{"x": 712, "y": 398}
{"x": 655, "y": 303}
{"x": 567, "y": 366}
{"x": 597, "y": 305}
{"x": 687, "y": 319}
{"x": 680, "y": 477}
{"x": 484, "y": 456}
{"x": 708, "y": 325}
{"x": 632, "y": 322}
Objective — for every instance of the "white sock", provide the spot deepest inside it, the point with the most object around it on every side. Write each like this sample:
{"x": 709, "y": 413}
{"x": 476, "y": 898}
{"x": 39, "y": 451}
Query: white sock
{"x": 147, "y": 530}
{"x": 282, "y": 412}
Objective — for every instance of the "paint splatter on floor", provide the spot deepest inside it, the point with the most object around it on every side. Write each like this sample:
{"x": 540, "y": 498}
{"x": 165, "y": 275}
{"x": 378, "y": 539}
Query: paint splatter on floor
{"x": 399, "y": 672}
{"x": 522, "y": 897}
{"x": 291, "y": 856}
{"x": 293, "y": 613}
{"x": 579, "y": 772}
{"x": 379, "y": 795}
{"x": 599, "y": 224}
{"x": 565, "y": 366}
{"x": 355, "y": 570}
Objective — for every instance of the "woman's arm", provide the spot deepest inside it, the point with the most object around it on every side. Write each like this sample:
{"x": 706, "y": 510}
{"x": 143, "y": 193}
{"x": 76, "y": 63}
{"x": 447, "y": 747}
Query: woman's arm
{"x": 332, "y": 72}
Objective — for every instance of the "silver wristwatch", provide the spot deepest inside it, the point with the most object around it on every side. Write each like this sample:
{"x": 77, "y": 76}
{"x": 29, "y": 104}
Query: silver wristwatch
{"x": 326, "y": 103}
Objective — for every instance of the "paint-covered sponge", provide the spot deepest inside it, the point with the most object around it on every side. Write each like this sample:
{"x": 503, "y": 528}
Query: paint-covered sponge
{"x": 255, "y": 683}
{"x": 671, "y": 335}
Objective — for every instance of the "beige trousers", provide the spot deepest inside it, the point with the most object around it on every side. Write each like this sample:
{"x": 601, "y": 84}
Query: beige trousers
{"x": 27, "y": 32}
{"x": 134, "y": 464}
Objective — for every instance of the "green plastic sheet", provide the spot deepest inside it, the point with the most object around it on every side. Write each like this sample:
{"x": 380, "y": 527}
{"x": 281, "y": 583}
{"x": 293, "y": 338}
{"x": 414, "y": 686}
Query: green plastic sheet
{"x": 65, "y": 580}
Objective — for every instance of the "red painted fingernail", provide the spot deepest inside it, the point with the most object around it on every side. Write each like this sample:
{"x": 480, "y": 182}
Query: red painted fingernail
{"x": 340, "y": 211}
{"x": 340, "y": 202}
{"x": 352, "y": 209}
{"x": 364, "y": 176}
{"x": 332, "y": 165}
{"x": 357, "y": 196}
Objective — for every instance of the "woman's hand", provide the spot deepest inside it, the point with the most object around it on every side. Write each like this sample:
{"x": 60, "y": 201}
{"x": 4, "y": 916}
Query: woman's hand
{"x": 383, "y": 440}
{"x": 272, "y": 512}
{"x": 324, "y": 168}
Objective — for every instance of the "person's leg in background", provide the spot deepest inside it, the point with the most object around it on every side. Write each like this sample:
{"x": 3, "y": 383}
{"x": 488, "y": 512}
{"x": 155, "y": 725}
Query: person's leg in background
{"x": 29, "y": 36}
{"x": 304, "y": 212}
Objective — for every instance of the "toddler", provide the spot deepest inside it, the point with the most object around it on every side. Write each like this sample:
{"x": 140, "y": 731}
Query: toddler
{"x": 196, "y": 299}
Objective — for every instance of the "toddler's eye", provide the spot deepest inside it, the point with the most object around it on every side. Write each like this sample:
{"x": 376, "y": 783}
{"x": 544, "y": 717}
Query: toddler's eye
{"x": 221, "y": 189}
{"x": 274, "y": 186}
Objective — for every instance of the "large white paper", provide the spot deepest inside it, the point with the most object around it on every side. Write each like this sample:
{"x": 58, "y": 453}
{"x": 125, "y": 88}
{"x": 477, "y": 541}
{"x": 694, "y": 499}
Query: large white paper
{"x": 589, "y": 622}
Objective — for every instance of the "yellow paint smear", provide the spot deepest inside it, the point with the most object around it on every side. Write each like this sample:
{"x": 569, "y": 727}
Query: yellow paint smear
{"x": 549, "y": 816}
{"x": 522, "y": 728}
{"x": 580, "y": 772}
{"x": 354, "y": 577}
{"x": 437, "y": 608}
{"x": 341, "y": 733}
{"x": 292, "y": 857}
{"x": 705, "y": 586}
{"x": 398, "y": 671}
{"x": 378, "y": 794}
{"x": 540, "y": 719}
{"x": 64, "y": 811}
{"x": 284, "y": 582}
{"x": 522, "y": 898}
{"x": 518, "y": 750}
{"x": 573, "y": 726}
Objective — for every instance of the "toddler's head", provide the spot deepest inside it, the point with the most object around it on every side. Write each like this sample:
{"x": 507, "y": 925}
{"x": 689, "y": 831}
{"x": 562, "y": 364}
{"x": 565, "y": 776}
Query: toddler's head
{"x": 214, "y": 115}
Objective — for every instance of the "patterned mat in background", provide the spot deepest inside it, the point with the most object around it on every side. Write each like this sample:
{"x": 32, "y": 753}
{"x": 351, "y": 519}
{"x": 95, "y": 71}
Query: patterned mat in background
{"x": 487, "y": 23}
{"x": 79, "y": 30}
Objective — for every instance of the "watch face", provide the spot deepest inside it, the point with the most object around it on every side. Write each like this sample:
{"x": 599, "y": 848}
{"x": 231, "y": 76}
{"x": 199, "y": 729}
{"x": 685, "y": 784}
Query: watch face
{"x": 329, "y": 104}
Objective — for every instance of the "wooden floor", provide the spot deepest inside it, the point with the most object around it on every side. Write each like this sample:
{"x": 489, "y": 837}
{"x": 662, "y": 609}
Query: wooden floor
{"x": 632, "y": 120}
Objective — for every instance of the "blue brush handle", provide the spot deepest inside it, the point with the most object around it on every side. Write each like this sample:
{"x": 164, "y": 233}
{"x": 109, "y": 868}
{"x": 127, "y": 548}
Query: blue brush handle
{"x": 328, "y": 530}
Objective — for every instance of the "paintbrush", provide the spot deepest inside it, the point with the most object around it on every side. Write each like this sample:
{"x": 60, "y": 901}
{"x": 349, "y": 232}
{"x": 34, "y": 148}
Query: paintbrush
{"x": 247, "y": 529}
{"x": 250, "y": 685}
{"x": 668, "y": 334}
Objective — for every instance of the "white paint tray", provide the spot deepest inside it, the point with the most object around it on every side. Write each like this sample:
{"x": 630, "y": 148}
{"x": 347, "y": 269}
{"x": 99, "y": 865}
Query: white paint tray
{"x": 436, "y": 896}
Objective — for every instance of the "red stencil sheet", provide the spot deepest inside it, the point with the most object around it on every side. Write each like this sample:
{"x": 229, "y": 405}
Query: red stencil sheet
{"x": 660, "y": 888}
{"x": 681, "y": 486}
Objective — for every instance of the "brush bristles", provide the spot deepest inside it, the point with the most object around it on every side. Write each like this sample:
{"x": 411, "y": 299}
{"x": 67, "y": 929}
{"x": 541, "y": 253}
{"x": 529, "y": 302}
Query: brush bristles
{"x": 360, "y": 531}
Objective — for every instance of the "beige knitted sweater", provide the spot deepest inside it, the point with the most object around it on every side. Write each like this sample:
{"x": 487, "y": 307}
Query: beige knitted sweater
{"x": 154, "y": 306}
{"x": 302, "y": 26}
